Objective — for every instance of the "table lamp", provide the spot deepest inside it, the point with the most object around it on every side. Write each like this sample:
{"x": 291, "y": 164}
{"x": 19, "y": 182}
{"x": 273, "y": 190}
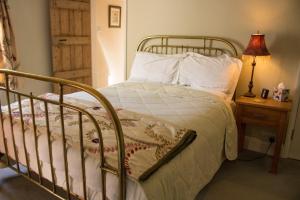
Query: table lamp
{"x": 256, "y": 47}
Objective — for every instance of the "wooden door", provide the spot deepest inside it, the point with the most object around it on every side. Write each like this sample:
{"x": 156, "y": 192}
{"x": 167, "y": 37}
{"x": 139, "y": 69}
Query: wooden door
{"x": 71, "y": 41}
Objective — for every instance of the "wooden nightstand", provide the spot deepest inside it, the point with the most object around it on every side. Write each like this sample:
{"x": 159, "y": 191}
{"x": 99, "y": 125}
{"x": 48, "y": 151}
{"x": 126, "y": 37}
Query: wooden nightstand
{"x": 264, "y": 112}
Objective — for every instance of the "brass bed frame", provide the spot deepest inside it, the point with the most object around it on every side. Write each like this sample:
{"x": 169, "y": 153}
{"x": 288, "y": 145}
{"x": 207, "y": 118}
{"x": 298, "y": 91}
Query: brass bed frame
{"x": 162, "y": 44}
{"x": 174, "y": 44}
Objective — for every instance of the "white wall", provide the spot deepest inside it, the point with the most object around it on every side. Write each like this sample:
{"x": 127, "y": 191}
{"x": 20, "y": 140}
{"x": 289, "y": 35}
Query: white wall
{"x": 30, "y": 20}
{"x": 108, "y": 44}
{"x": 233, "y": 19}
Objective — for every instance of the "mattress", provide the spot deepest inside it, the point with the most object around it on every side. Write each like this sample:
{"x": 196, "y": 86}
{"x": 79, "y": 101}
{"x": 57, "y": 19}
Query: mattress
{"x": 184, "y": 176}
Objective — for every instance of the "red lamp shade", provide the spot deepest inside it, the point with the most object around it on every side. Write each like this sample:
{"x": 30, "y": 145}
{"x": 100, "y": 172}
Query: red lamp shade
{"x": 257, "y": 46}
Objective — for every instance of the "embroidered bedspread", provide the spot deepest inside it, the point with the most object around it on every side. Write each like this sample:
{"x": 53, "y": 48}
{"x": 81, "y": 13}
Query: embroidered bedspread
{"x": 149, "y": 142}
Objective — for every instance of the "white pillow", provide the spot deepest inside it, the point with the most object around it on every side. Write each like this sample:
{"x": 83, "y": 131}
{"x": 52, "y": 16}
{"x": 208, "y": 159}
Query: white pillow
{"x": 150, "y": 67}
{"x": 219, "y": 74}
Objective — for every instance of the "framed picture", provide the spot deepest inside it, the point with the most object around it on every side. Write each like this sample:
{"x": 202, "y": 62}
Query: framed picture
{"x": 114, "y": 16}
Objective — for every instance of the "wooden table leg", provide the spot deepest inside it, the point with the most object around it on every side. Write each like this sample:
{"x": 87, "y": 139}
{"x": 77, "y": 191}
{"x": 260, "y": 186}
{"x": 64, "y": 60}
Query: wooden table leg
{"x": 278, "y": 142}
{"x": 241, "y": 135}
{"x": 241, "y": 128}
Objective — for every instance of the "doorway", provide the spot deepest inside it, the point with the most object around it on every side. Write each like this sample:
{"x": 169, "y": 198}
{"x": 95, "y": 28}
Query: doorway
{"x": 89, "y": 41}
{"x": 108, "y": 42}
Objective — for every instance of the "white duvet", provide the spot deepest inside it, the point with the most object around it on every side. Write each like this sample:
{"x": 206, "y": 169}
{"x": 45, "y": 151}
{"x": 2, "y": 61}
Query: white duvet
{"x": 209, "y": 114}
{"x": 184, "y": 176}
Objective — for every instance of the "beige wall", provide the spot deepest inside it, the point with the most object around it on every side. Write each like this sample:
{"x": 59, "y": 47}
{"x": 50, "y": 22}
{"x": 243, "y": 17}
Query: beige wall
{"x": 108, "y": 44}
{"x": 31, "y": 25}
{"x": 233, "y": 19}
{"x": 294, "y": 151}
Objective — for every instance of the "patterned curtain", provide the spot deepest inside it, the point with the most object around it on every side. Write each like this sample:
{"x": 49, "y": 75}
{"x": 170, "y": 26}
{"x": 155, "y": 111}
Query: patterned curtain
{"x": 8, "y": 53}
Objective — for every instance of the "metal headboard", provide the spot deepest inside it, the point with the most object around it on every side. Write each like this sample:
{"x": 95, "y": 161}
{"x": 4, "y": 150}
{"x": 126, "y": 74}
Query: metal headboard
{"x": 173, "y": 44}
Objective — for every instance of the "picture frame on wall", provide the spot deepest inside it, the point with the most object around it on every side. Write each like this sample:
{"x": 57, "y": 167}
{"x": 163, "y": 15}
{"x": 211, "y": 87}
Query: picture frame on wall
{"x": 114, "y": 16}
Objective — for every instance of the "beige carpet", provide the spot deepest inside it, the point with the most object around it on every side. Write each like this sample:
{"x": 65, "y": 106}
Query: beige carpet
{"x": 242, "y": 180}
{"x": 237, "y": 180}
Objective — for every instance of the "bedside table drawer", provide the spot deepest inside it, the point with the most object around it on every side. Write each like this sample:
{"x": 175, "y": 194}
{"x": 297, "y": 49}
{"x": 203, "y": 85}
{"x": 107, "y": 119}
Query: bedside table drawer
{"x": 259, "y": 114}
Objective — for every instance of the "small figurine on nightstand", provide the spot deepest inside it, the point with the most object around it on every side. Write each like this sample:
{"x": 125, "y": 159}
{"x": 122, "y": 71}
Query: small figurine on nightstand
{"x": 281, "y": 93}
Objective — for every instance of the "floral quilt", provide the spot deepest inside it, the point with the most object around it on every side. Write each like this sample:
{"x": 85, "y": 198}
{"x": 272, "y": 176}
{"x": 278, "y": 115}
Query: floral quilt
{"x": 149, "y": 142}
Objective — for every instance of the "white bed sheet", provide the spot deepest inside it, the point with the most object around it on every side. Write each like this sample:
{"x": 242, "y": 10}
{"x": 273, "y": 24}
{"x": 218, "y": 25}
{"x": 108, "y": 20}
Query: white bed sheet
{"x": 183, "y": 177}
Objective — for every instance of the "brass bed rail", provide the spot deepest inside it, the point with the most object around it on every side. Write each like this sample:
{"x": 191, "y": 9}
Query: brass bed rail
{"x": 173, "y": 44}
{"x": 15, "y": 163}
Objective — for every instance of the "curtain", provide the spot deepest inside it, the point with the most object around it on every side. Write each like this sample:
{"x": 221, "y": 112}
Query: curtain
{"x": 8, "y": 52}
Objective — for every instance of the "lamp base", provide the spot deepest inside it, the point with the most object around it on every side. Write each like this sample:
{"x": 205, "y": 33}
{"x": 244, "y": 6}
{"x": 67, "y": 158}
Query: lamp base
{"x": 249, "y": 94}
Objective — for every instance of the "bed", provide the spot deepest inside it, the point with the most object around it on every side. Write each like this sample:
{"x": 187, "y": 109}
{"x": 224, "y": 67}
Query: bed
{"x": 188, "y": 131}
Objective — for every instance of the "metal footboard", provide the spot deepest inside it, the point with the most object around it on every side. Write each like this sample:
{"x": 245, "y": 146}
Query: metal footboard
{"x": 36, "y": 177}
